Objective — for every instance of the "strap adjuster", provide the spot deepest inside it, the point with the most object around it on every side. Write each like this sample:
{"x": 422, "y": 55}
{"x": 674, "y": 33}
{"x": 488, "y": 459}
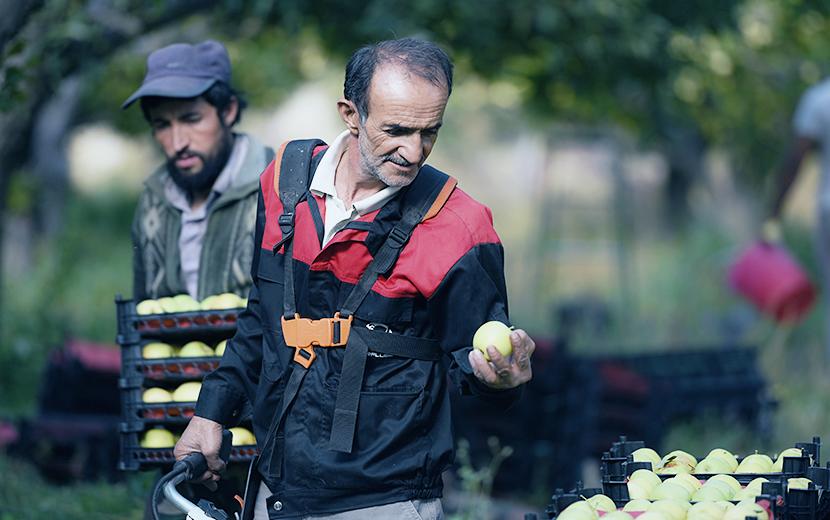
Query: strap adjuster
{"x": 303, "y": 334}
{"x": 397, "y": 238}
{"x": 286, "y": 222}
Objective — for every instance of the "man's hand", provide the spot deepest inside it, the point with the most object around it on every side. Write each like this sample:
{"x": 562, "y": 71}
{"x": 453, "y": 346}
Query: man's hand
{"x": 503, "y": 373}
{"x": 202, "y": 436}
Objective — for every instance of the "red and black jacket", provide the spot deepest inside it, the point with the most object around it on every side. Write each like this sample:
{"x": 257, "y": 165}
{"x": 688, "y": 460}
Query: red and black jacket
{"x": 448, "y": 279}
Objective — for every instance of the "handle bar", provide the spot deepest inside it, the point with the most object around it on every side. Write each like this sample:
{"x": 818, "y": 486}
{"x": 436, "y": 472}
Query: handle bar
{"x": 188, "y": 469}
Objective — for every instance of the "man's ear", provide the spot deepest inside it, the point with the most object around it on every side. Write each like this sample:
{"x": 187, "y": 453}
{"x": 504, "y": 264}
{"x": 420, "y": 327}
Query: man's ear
{"x": 231, "y": 111}
{"x": 350, "y": 115}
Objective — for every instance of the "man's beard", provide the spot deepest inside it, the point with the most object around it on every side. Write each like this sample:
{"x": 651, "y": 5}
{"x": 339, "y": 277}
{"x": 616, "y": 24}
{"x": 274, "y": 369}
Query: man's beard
{"x": 212, "y": 166}
{"x": 372, "y": 166}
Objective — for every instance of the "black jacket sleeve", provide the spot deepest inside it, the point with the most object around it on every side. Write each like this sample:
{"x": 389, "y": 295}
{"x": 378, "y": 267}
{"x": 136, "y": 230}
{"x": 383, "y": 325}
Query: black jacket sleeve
{"x": 224, "y": 391}
{"x": 472, "y": 293}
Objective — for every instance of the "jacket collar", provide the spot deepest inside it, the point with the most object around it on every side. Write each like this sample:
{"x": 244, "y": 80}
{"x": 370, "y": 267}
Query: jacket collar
{"x": 245, "y": 182}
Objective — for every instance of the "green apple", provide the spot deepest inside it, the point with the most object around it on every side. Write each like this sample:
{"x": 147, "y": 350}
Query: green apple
{"x": 185, "y": 303}
{"x": 670, "y": 489}
{"x": 728, "y": 479}
{"x": 156, "y": 350}
{"x": 242, "y": 437}
{"x": 580, "y": 510}
{"x": 755, "y": 463}
{"x": 493, "y": 333}
{"x": 710, "y": 494}
{"x": 220, "y": 348}
{"x": 778, "y": 465}
{"x": 156, "y": 395}
{"x": 798, "y": 483}
{"x": 647, "y": 479}
{"x": 148, "y": 307}
{"x": 638, "y": 489}
{"x": 705, "y": 511}
{"x": 639, "y": 504}
{"x": 671, "y": 509}
{"x": 646, "y": 455}
{"x": 675, "y": 468}
{"x": 187, "y": 392}
{"x": 724, "y": 455}
{"x": 157, "y": 438}
{"x": 195, "y": 349}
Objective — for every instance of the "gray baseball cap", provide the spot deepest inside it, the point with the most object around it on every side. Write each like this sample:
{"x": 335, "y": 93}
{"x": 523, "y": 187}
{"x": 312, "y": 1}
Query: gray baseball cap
{"x": 183, "y": 70}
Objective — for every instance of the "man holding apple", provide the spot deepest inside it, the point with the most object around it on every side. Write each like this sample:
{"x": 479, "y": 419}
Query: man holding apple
{"x": 195, "y": 218}
{"x": 372, "y": 273}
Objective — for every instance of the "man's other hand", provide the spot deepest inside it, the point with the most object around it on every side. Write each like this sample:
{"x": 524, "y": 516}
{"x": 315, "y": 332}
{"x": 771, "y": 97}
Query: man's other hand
{"x": 503, "y": 373}
{"x": 202, "y": 436}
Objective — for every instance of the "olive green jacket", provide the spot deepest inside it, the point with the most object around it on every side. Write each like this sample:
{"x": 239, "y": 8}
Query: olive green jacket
{"x": 228, "y": 246}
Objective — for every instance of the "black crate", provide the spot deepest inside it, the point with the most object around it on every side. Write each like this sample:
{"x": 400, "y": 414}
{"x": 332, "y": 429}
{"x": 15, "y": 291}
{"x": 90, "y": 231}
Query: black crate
{"x": 138, "y": 373}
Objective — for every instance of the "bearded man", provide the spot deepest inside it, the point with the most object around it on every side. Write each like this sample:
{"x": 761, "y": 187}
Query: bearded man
{"x": 193, "y": 227}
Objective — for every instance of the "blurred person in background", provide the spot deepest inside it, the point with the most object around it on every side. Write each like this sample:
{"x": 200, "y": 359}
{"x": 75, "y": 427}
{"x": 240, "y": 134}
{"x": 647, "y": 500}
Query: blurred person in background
{"x": 409, "y": 320}
{"x": 194, "y": 224}
{"x": 193, "y": 227}
{"x": 811, "y": 129}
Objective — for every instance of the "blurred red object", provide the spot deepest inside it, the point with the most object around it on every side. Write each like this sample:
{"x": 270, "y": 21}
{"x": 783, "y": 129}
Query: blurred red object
{"x": 771, "y": 279}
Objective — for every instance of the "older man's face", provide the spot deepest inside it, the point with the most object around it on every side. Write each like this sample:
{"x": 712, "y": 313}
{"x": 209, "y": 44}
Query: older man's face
{"x": 405, "y": 113}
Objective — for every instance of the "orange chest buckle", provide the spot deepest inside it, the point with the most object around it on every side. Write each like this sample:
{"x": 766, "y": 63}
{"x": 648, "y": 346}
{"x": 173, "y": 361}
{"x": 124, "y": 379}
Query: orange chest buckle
{"x": 303, "y": 334}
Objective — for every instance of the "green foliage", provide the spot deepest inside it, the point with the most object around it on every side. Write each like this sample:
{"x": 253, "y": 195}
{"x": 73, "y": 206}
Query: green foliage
{"x": 25, "y": 496}
{"x": 68, "y": 292}
{"x": 478, "y": 483}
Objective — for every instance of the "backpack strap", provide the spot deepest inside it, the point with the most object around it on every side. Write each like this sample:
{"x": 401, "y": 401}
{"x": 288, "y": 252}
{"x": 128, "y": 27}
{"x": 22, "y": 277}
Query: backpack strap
{"x": 292, "y": 177}
{"x": 424, "y": 198}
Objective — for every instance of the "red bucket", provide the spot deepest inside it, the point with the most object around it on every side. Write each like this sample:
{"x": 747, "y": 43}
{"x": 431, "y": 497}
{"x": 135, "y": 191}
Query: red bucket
{"x": 769, "y": 277}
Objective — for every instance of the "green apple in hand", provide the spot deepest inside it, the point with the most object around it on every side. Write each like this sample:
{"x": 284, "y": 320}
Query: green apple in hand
{"x": 493, "y": 333}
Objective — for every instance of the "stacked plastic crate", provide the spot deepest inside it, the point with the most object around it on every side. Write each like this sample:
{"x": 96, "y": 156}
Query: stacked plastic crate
{"x": 164, "y": 357}
{"x": 794, "y": 489}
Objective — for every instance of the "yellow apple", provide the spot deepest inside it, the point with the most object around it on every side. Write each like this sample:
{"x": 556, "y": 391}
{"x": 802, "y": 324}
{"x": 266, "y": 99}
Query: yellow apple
{"x": 185, "y": 303}
{"x": 195, "y": 349}
{"x": 242, "y": 437}
{"x": 493, "y": 333}
{"x": 729, "y": 479}
{"x": 798, "y": 483}
{"x": 617, "y": 515}
{"x": 705, "y": 511}
{"x": 601, "y": 502}
{"x": 755, "y": 463}
{"x": 669, "y": 489}
{"x": 220, "y": 348}
{"x": 187, "y": 392}
{"x": 221, "y": 302}
{"x": 725, "y": 455}
{"x": 579, "y": 510}
{"x": 156, "y": 395}
{"x": 652, "y": 515}
{"x": 638, "y": 489}
{"x": 639, "y": 504}
{"x": 713, "y": 493}
{"x": 678, "y": 456}
{"x": 646, "y": 455}
{"x": 647, "y": 479}
{"x": 756, "y": 484}
{"x": 744, "y": 509}
{"x": 671, "y": 509}
{"x": 778, "y": 465}
{"x": 156, "y": 350}
{"x": 692, "y": 483}
{"x": 714, "y": 464}
{"x": 148, "y": 307}
{"x": 157, "y": 438}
